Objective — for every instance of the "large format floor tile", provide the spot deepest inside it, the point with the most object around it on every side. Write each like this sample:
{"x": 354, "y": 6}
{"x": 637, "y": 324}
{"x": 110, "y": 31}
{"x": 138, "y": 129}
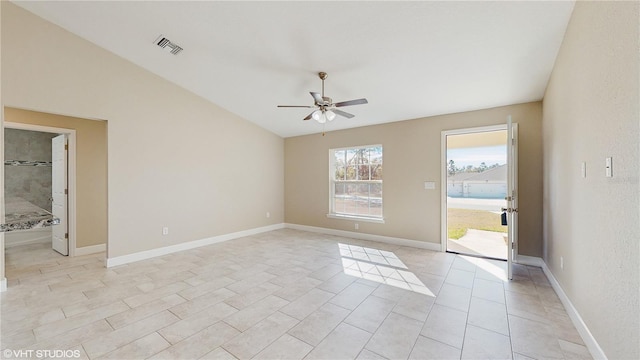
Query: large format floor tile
{"x": 284, "y": 294}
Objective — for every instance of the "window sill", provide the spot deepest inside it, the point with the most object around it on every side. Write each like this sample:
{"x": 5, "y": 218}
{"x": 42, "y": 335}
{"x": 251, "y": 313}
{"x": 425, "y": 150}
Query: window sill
{"x": 358, "y": 218}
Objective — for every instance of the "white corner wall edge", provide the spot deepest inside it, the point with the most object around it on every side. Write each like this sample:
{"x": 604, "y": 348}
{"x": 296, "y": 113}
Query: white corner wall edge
{"x": 586, "y": 335}
{"x": 87, "y": 250}
{"x": 148, "y": 254}
{"x": 3, "y": 285}
{"x": 576, "y": 319}
{"x": 364, "y": 236}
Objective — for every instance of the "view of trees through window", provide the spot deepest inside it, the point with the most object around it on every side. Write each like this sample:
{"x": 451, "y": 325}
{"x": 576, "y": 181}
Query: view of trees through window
{"x": 452, "y": 169}
{"x": 356, "y": 182}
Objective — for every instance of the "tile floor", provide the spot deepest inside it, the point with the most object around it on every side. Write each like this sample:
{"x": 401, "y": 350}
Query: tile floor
{"x": 284, "y": 294}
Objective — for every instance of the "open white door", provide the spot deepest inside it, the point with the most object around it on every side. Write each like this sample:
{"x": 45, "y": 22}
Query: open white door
{"x": 512, "y": 194}
{"x": 60, "y": 237}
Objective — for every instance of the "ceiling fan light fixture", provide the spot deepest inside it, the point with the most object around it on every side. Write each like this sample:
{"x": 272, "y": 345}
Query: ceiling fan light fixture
{"x": 330, "y": 115}
{"x": 324, "y": 105}
{"x": 318, "y": 116}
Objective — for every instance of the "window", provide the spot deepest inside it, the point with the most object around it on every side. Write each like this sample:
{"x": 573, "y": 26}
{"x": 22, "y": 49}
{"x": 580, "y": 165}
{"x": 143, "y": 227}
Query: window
{"x": 356, "y": 182}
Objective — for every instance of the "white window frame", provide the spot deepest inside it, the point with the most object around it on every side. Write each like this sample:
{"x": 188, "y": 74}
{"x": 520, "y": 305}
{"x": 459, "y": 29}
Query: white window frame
{"x": 334, "y": 215}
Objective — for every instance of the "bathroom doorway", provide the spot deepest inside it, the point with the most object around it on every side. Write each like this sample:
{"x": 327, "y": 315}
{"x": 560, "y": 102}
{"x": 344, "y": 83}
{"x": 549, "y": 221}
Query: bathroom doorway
{"x": 40, "y": 175}
{"x": 87, "y": 190}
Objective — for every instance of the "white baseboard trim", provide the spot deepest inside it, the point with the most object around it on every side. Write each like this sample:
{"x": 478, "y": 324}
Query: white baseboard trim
{"x": 370, "y": 237}
{"x": 148, "y": 254}
{"x": 3, "y": 285}
{"x": 590, "y": 342}
{"x": 87, "y": 250}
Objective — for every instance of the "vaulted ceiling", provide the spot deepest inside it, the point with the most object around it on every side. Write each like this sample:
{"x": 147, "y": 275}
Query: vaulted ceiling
{"x": 409, "y": 59}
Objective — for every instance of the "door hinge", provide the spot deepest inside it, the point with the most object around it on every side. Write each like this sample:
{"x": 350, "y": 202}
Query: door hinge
{"x": 66, "y": 235}
{"x": 66, "y": 191}
{"x": 513, "y": 246}
{"x": 66, "y": 146}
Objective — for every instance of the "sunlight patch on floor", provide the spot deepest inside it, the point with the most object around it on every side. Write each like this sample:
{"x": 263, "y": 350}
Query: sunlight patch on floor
{"x": 380, "y": 266}
{"x": 495, "y": 268}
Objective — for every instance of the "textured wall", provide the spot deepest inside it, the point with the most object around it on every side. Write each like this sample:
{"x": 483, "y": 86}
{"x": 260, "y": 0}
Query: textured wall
{"x": 590, "y": 112}
{"x": 174, "y": 159}
{"x": 412, "y": 155}
{"x": 32, "y": 183}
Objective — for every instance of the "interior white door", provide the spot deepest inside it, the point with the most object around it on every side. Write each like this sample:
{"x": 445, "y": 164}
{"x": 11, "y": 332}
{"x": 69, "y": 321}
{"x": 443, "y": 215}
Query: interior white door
{"x": 59, "y": 240}
{"x": 512, "y": 194}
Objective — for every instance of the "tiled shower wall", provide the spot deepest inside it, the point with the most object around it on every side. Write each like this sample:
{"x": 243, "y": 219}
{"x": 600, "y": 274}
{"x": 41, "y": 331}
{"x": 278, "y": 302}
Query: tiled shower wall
{"x": 32, "y": 183}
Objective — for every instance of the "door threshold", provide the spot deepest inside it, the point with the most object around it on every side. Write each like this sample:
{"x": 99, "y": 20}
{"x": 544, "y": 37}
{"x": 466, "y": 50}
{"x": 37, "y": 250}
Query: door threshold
{"x": 476, "y": 256}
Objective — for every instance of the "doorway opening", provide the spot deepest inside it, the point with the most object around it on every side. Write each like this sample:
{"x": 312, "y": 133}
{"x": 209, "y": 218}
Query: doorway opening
{"x": 476, "y": 178}
{"x": 87, "y": 186}
{"x": 40, "y": 176}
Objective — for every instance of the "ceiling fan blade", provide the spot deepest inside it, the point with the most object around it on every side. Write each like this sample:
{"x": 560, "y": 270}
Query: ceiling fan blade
{"x": 342, "y": 113}
{"x": 317, "y": 97}
{"x": 308, "y": 116}
{"x": 351, "y": 102}
{"x": 297, "y": 106}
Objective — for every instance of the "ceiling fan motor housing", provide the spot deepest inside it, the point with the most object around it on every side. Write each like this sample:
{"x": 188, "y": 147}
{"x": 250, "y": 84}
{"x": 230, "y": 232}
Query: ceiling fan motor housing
{"x": 325, "y": 105}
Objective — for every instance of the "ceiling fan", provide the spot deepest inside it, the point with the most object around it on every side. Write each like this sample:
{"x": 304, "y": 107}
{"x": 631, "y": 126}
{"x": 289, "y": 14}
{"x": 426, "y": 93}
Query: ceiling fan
{"x": 325, "y": 107}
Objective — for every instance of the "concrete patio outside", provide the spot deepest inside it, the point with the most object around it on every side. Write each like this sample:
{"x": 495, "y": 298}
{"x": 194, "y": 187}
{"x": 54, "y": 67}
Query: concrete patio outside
{"x": 479, "y": 242}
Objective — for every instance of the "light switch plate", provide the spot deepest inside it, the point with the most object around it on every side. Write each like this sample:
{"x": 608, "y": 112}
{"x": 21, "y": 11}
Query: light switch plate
{"x": 429, "y": 185}
{"x": 609, "y": 167}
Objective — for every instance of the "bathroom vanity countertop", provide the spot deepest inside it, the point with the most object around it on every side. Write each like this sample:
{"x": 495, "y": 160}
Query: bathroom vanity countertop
{"x": 20, "y": 214}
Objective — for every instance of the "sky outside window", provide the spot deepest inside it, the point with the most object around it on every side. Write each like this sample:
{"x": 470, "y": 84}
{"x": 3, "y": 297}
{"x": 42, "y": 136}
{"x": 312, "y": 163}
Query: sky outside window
{"x": 474, "y": 156}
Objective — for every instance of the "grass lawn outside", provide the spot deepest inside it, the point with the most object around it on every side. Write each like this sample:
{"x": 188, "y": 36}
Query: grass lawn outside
{"x": 459, "y": 220}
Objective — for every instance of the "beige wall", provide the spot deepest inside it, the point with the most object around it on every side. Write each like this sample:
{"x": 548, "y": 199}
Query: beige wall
{"x": 174, "y": 159}
{"x": 91, "y": 170}
{"x": 591, "y": 112}
{"x": 412, "y": 155}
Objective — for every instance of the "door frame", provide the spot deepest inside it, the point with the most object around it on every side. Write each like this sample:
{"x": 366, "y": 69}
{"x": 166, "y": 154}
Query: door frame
{"x": 512, "y": 193}
{"x": 71, "y": 173}
{"x": 443, "y": 172}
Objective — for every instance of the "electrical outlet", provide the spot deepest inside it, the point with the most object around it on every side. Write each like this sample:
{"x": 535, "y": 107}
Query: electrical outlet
{"x": 561, "y": 263}
{"x": 165, "y": 231}
{"x": 357, "y": 226}
{"x": 268, "y": 214}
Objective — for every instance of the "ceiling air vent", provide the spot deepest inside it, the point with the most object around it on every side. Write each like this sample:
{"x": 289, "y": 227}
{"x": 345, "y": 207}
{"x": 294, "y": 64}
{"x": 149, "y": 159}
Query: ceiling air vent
{"x": 164, "y": 43}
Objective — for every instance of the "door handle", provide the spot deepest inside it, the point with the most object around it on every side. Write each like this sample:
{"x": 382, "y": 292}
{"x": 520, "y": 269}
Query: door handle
{"x": 509, "y": 210}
